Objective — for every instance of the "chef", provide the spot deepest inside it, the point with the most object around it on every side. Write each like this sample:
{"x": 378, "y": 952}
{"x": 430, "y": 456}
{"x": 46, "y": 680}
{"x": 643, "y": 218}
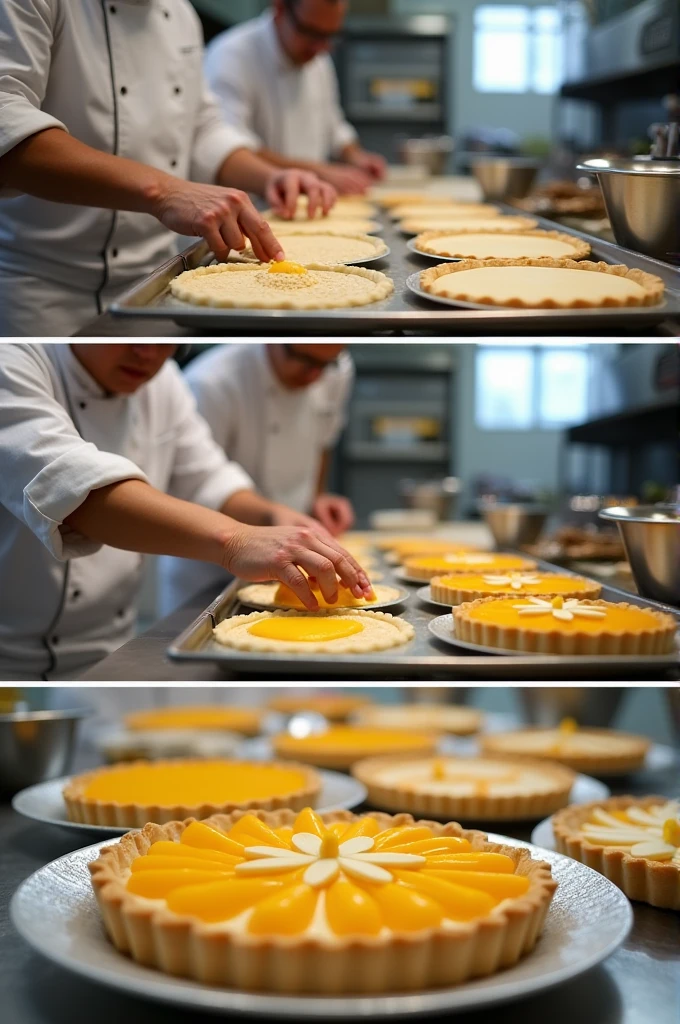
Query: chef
{"x": 103, "y": 458}
{"x": 274, "y": 77}
{"x": 278, "y": 411}
{"x": 110, "y": 146}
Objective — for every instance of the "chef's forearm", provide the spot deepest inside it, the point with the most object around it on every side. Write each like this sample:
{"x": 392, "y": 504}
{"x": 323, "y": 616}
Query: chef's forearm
{"x": 249, "y": 507}
{"x": 134, "y": 516}
{"x": 245, "y": 170}
{"x": 53, "y": 165}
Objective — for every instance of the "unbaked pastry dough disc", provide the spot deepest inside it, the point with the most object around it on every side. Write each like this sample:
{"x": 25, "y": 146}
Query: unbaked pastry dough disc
{"x": 446, "y": 222}
{"x": 479, "y": 245}
{"x": 461, "y": 210}
{"x": 324, "y": 226}
{"x": 348, "y": 632}
{"x": 330, "y": 248}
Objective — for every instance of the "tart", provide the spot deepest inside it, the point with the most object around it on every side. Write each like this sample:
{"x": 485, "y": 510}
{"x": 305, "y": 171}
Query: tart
{"x": 416, "y": 225}
{"x": 425, "y": 567}
{"x": 352, "y": 631}
{"x": 484, "y": 245}
{"x": 329, "y": 249}
{"x": 283, "y": 285}
{"x": 461, "y": 587}
{"x": 326, "y": 226}
{"x": 345, "y": 206}
{"x": 278, "y": 595}
{"x": 472, "y": 788}
{"x": 592, "y": 751}
{"x": 341, "y": 746}
{"x": 558, "y": 626}
{"x": 389, "y": 200}
{"x": 330, "y": 904}
{"x": 129, "y": 795}
{"x": 543, "y": 284}
{"x": 211, "y": 718}
{"x": 634, "y": 841}
{"x": 404, "y": 211}
{"x": 448, "y": 718}
{"x": 334, "y": 707}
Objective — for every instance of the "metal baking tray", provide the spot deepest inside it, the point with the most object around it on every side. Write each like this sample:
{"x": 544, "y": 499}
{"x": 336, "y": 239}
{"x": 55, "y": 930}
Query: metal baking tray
{"x": 403, "y": 311}
{"x": 423, "y": 658}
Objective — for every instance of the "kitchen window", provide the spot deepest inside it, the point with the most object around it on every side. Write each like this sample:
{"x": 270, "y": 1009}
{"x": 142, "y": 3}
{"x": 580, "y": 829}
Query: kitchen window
{"x": 517, "y": 49}
{"x": 531, "y": 388}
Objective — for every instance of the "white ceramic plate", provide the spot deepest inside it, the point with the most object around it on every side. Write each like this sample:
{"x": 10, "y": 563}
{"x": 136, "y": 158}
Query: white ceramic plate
{"x": 425, "y": 594}
{"x": 543, "y": 835}
{"x": 44, "y": 802}
{"x": 55, "y": 911}
{"x": 401, "y": 575}
{"x": 379, "y": 605}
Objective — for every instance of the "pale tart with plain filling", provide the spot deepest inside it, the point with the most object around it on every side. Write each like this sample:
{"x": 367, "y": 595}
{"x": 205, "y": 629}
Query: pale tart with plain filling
{"x": 484, "y": 245}
{"x": 330, "y": 249}
{"x": 634, "y": 841}
{"x": 543, "y": 284}
{"x": 557, "y": 626}
{"x": 424, "y": 567}
{"x": 407, "y": 210}
{"x": 283, "y": 285}
{"x": 452, "y": 719}
{"x": 325, "y": 226}
{"x": 341, "y": 746}
{"x": 461, "y": 587}
{"x": 352, "y": 631}
{"x": 131, "y": 794}
{"x": 332, "y": 904}
{"x": 592, "y": 751}
{"x": 278, "y": 595}
{"x": 449, "y": 222}
{"x": 472, "y": 788}
{"x": 209, "y": 717}
{"x": 344, "y": 206}
{"x": 336, "y": 707}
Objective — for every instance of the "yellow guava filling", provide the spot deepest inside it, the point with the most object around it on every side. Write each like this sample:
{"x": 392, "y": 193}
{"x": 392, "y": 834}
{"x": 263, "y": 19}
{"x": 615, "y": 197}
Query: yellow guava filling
{"x": 305, "y": 629}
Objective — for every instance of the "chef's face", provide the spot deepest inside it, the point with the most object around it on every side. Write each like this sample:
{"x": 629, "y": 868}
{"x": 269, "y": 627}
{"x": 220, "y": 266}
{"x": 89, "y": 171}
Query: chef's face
{"x": 122, "y": 369}
{"x": 307, "y": 28}
{"x": 298, "y": 366}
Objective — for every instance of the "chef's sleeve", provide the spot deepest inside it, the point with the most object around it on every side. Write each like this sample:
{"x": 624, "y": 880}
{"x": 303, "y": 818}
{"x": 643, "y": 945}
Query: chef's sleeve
{"x": 230, "y": 79}
{"x": 46, "y": 469}
{"x": 217, "y": 400}
{"x": 340, "y": 390}
{"x": 26, "y": 40}
{"x": 342, "y": 132}
{"x": 201, "y": 471}
{"x": 215, "y": 141}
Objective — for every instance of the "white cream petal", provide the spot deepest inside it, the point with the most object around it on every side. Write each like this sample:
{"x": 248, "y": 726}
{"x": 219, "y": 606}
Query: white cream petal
{"x": 253, "y": 852}
{"x": 360, "y": 844}
{"x": 653, "y": 850}
{"x": 308, "y": 843}
{"x": 564, "y": 614}
{"x": 321, "y": 872}
{"x": 590, "y": 613}
{"x": 269, "y": 865}
{"x": 363, "y": 870}
{"x": 396, "y": 859}
{"x": 526, "y": 610}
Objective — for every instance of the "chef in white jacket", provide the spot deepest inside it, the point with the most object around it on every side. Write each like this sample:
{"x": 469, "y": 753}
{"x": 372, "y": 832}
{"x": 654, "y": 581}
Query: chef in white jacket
{"x": 110, "y": 145}
{"x": 103, "y": 458}
{"x": 278, "y": 411}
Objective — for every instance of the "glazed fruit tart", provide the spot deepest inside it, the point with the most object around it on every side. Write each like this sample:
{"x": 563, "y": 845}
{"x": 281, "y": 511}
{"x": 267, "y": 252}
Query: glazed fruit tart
{"x": 448, "y": 718}
{"x": 634, "y": 841}
{"x": 212, "y": 718}
{"x": 342, "y": 745}
{"x": 459, "y": 588}
{"x": 425, "y": 567}
{"x": 330, "y": 904}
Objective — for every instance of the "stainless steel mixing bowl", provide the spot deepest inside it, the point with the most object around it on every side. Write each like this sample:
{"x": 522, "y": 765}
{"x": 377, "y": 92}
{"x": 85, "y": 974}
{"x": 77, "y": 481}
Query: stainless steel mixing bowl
{"x": 643, "y": 203}
{"x": 651, "y": 537}
{"x": 36, "y": 746}
{"x": 592, "y": 706}
{"x": 505, "y": 177}
{"x": 514, "y": 524}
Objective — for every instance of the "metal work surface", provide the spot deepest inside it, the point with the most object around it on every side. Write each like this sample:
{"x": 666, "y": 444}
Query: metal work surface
{"x": 403, "y": 311}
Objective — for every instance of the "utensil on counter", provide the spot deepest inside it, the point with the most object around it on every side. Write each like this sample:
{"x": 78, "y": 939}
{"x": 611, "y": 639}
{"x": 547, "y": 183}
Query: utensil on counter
{"x": 546, "y": 706}
{"x": 36, "y": 746}
{"x": 505, "y": 177}
{"x": 436, "y": 496}
{"x": 430, "y": 153}
{"x": 651, "y": 538}
{"x": 514, "y": 524}
{"x": 642, "y": 197}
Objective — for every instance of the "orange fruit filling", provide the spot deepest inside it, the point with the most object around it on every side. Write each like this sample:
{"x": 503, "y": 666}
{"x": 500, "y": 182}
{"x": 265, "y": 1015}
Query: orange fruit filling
{"x": 236, "y": 719}
{"x": 502, "y": 612}
{"x": 305, "y": 629}
{"x": 284, "y": 595}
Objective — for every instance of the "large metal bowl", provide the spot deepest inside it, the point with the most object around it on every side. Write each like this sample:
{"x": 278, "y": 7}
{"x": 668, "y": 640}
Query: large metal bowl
{"x": 643, "y": 203}
{"x": 513, "y": 525}
{"x": 36, "y": 746}
{"x": 651, "y": 538}
{"x": 505, "y": 177}
{"x": 592, "y": 706}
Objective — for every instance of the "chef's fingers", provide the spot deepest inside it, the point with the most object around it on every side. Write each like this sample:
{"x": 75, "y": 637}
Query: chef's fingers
{"x": 212, "y": 236}
{"x": 328, "y": 197}
{"x": 293, "y": 578}
{"x": 265, "y": 246}
{"x": 232, "y": 234}
{"x": 346, "y": 566}
{"x": 321, "y": 567}
{"x": 325, "y": 517}
{"x": 291, "y": 191}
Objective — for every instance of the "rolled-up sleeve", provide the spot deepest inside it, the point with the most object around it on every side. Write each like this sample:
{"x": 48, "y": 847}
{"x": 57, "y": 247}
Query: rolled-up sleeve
{"x": 26, "y": 39}
{"x": 46, "y": 469}
{"x": 201, "y": 471}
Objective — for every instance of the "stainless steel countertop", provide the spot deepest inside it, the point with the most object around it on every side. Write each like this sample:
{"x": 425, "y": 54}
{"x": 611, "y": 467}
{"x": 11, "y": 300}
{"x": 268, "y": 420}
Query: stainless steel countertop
{"x": 639, "y": 984}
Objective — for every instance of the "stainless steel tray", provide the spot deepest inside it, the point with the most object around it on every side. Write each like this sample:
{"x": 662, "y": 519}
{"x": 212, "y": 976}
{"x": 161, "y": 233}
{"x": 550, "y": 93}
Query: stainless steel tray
{"x": 423, "y": 658}
{"x": 403, "y": 311}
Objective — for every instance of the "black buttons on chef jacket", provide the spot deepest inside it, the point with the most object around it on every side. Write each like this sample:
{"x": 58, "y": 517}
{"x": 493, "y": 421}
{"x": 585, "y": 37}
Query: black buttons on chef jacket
{"x": 112, "y": 9}
{"x": 75, "y": 594}
{"x": 82, "y": 405}
{"x": 55, "y": 641}
{"x": 123, "y": 90}
{"x": 173, "y": 163}
{"x": 166, "y": 14}
{"x": 114, "y": 253}
{"x": 177, "y": 90}
{"x": 120, "y": 613}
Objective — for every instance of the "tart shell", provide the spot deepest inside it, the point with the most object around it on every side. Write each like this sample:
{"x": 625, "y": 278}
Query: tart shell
{"x": 588, "y": 764}
{"x": 448, "y": 594}
{"x": 413, "y": 568}
{"x": 645, "y": 642}
{"x": 355, "y": 644}
{"x": 470, "y": 808}
{"x": 182, "y": 946}
{"x": 424, "y": 241}
{"x": 342, "y": 760}
{"x": 87, "y": 811}
{"x": 454, "y": 720}
{"x": 640, "y": 878}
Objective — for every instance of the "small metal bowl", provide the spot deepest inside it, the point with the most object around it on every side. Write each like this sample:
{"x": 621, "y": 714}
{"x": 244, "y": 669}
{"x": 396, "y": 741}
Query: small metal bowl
{"x": 36, "y": 746}
{"x": 505, "y": 177}
{"x": 514, "y": 524}
{"x": 651, "y": 538}
{"x": 643, "y": 203}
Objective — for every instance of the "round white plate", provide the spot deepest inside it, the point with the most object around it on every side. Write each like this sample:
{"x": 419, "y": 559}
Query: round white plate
{"x": 55, "y": 911}
{"x": 425, "y": 594}
{"x": 44, "y": 802}
{"x": 401, "y": 575}
{"x": 411, "y": 246}
{"x": 543, "y": 834}
{"x": 395, "y": 602}
{"x": 442, "y": 627}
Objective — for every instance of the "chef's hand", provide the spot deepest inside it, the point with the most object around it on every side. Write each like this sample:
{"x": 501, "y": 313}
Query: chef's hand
{"x": 346, "y": 180}
{"x": 222, "y": 216}
{"x": 334, "y": 512}
{"x": 284, "y": 187}
{"x": 284, "y": 516}
{"x": 261, "y": 553}
{"x": 370, "y": 163}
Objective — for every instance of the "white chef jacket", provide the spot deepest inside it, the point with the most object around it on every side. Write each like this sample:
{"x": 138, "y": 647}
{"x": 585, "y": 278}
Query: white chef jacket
{"x": 122, "y": 76}
{"x": 292, "y": 110}
{"x": 65, "y": 601}
{"x": 276, "y": 434}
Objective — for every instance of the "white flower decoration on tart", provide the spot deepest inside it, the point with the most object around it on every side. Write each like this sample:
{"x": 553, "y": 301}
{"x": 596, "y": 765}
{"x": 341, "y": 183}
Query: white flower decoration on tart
{"x": 560, "y": 609}
{"x": 652, "y": 832}
{"x": 516, "y": 580}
